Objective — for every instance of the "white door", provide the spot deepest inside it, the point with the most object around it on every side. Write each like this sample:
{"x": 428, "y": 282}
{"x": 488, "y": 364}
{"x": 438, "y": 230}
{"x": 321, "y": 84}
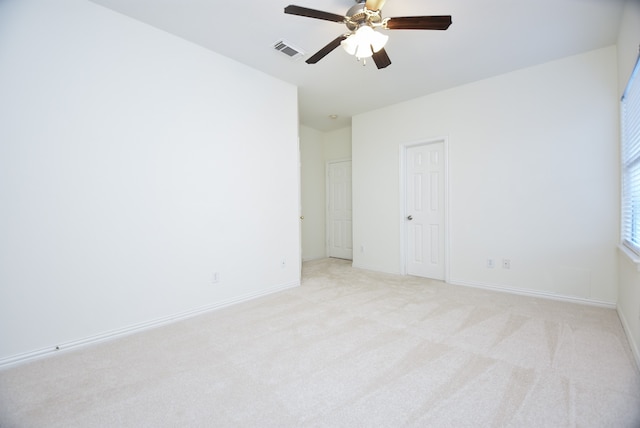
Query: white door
{"x": 339, "y": 231}
{"x": 424, "y": 216}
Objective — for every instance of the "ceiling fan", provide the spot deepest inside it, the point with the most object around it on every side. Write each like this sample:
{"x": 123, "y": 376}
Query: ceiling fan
{"x": 362, "y": 20}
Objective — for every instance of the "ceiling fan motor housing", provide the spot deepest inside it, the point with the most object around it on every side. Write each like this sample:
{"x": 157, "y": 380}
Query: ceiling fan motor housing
{"x": 358, "y": 16}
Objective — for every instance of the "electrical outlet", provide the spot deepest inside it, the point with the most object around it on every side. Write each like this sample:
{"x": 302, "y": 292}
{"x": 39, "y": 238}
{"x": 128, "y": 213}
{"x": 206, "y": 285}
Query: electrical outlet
{"x": 490, "y": 263}
{"x": 506, "y": 264}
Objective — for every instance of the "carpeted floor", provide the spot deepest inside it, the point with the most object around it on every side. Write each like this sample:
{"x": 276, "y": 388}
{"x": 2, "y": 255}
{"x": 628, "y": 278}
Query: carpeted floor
{"x": 349, "y": 348}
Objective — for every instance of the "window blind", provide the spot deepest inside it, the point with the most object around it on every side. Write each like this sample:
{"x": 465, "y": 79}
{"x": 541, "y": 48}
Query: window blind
{"x": 630, "y": 130}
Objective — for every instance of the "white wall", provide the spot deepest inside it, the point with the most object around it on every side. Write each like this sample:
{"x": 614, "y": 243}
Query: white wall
{"x": 316, "y": 149}
{"x": 337, "y": 144}
{"x": 313, "y": 193}
{"x": 133, "y": 165}
{"x": 629, "y": 276}
{"x": 532, "y": 177}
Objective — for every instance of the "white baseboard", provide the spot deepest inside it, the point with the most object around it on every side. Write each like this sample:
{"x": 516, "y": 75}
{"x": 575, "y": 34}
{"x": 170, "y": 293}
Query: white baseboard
{"x": 136, "y": 328}
{"x": 535, "y": 293}
{"x": 635, "y": 350}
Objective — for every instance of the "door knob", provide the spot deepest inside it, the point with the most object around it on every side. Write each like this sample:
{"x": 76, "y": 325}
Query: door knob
{"x": 301, "y": 217}
{"x": 410, "y": 217}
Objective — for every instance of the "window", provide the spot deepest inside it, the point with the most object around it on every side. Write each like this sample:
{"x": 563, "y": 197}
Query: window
{"x": 630, "y": 112}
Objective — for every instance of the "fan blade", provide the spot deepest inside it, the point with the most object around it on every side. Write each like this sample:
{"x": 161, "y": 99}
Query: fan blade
{"x": 381, "y": 59}
{"x": 419, "y": 23}
{"x": 325, "y": 50}
{"x": 374, "y": 5}
{"x": 312, "y": 13}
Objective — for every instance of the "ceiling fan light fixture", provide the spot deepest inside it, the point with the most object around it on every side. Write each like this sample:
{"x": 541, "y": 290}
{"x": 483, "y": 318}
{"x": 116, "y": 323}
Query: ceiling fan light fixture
{"x": 362, "y": 20}
{"x": 364, "y": 42}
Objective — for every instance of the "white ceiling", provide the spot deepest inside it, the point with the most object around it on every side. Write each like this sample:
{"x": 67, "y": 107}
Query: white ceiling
{"x": 487, "y": 38}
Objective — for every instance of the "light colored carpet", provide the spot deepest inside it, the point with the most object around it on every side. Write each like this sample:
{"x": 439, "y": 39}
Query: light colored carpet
{"x": 349, "y": 348}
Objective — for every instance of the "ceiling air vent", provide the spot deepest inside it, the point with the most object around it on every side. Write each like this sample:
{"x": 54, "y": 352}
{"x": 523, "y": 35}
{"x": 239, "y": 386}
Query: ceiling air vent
{"x": 288, "y": 49}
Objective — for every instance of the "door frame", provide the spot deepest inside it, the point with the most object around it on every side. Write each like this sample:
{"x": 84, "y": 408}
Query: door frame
{"x": 327, "y": 219}
{"x": 402, "y": 224}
